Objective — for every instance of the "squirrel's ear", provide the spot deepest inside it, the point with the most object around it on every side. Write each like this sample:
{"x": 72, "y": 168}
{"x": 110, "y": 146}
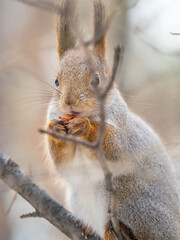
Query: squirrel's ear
{"x": 65, "y": 37}
{"x": 101, "y": 25}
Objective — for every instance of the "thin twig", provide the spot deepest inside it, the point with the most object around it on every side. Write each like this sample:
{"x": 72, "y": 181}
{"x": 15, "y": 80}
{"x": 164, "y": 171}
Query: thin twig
{"x": 33, "y": 214}
{"x": 118, "y": 58}
{"x": 174, "y": 33}
{"x": 68, "y": 138}
{"x": 12, "y": 203}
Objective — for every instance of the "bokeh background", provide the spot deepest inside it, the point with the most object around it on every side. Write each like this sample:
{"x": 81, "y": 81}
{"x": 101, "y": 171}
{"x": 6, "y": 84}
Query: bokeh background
{"x": 149, "y": 81}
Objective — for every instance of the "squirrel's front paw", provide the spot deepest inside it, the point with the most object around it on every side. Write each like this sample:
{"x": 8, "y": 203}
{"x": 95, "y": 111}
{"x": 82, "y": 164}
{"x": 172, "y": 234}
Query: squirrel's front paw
{"x": 57, "y": 126}
{"x": 78, "y": 127}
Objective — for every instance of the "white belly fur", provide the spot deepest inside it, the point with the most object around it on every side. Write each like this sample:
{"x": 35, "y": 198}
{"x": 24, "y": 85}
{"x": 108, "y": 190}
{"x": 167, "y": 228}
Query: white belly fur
{"x": 86, "y": 193}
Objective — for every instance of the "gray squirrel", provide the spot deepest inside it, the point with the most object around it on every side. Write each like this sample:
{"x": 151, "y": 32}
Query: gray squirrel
{"x": 146, "y": 198}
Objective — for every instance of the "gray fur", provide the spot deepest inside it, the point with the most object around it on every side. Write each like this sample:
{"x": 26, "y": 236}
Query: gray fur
{"x": 147, "y": 201}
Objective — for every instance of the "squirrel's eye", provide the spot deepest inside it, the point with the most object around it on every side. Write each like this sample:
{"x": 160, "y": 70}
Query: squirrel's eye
{"x": 96, "y": 80}
{"x": 57, "y": 82}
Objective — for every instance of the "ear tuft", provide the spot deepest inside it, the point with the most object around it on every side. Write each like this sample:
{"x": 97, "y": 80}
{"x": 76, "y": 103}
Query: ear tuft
{"x": 101, "y": 26}
{"x": 65, "y": 36}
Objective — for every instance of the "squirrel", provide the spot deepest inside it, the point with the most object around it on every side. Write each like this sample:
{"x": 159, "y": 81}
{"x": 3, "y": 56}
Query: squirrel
{"x": 146, "y": 196}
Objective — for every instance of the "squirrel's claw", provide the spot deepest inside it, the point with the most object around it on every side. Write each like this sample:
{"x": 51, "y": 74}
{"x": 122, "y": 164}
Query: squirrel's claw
{"x": 78, "y": 127}
{"x": 86, "y": 231}
{"x": 57, "y": 126}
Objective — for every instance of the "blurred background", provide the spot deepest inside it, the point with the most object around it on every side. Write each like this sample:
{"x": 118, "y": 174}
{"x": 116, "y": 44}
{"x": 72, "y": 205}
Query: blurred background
{"x": 149, "y": 81}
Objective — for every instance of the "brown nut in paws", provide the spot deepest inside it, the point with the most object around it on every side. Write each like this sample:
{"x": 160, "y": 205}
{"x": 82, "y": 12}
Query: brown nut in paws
{"x": 66, "y": 118}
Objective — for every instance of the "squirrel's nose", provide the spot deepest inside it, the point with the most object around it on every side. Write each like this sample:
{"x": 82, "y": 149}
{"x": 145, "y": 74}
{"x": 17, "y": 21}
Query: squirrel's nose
{"x": 69, "y": 100}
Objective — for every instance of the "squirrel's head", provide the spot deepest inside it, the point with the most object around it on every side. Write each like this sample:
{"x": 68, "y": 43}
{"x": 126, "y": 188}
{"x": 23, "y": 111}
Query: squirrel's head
{"x": 76, "y": 81}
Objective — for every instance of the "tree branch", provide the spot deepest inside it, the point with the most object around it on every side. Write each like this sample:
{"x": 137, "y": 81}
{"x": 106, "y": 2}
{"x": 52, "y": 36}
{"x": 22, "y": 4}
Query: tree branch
{"x": 44, "y": 205}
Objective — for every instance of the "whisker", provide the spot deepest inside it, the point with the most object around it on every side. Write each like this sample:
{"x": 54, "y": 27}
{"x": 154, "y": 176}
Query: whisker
{"x": 54, "y": 69}
{"x": 83, "y": 92}
{"x": 31, "y": 98}
{"x": 42, "y": 91}
{"x": 49, "y": 85}
{"x": 39, "y": 79}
